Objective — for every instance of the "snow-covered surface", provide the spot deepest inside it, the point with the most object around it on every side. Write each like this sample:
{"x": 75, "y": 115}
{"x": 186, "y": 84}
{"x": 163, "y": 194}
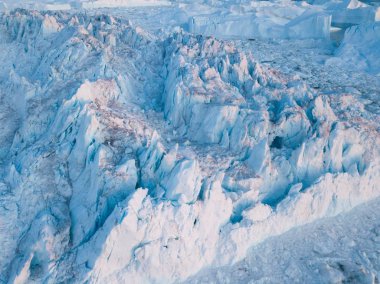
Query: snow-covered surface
{"x": 335, "y": 250}
{"x": 133, "y": 150}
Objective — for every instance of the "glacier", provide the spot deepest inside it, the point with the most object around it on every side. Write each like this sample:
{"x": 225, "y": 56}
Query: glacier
{"x": 129, "y": 155}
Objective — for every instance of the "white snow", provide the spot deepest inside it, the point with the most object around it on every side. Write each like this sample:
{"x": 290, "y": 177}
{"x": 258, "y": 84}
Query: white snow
{"x": 331, "y": 250}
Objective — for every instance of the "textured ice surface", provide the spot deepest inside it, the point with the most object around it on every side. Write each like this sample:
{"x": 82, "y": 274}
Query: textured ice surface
{"x": 311, "y": 24}
{"x": 121, "y": 3}
{"x": 282, "y": 19}
{"x": 131, "y": 156}
{"x": 350, "y": 12}
{"x": 330, "y": 250}
{"x": 360, "y": 47}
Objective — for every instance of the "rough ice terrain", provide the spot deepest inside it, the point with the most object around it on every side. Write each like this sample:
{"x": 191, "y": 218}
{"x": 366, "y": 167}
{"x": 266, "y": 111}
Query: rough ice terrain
{"x": 165, "y": 141}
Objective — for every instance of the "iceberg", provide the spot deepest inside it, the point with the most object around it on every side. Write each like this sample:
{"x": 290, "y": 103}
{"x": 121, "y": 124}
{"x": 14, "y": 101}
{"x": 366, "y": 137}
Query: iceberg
{"x": 352, "y": 12}
{"x": 310, "y": 24}
{"x": 360, "y": 48}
